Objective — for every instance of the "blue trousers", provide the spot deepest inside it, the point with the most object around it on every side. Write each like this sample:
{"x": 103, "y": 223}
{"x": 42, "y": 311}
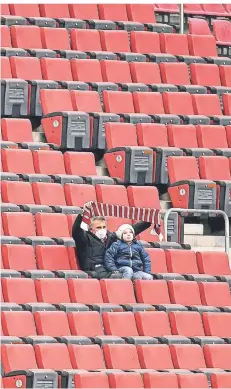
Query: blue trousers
{"x": 128, "y": 273}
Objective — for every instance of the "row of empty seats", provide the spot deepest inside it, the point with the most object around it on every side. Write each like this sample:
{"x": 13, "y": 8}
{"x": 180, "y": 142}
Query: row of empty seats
{"x": 164, "y": 295}
{"x": 120, "y": 72}
{"x": 221, "y": 30}
{"x": 61, "y": 357}
{"x": 153, "y": 324}
{"x": 157, "y": 47}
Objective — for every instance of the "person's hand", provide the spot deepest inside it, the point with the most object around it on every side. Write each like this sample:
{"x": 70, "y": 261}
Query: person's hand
{"x": 88, "y": 204}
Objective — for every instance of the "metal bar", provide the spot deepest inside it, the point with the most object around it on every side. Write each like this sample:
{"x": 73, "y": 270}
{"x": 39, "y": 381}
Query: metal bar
{"x": 181, "y": 6}
{"x": 202, "y": 211}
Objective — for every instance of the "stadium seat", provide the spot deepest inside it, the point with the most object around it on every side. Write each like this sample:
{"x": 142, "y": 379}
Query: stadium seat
{"x": 175, "y": 44}
{"x": 155, "y": 324}
{"x": 17, "y": 192}
{"x": 16, "y": 357}
{"x": 54, "y": 101}
{"x": 52, "y": 258}
{"x": 87, "y": 357}
{"x": 114, "y": 324}
{"x": 192, "y": 380}
{"x": 118, "y": 13}
{"x": 85, "y": 291}
{"x": 115, "y": 135}
{"x": 52, "y": 290}
{"x": 207, "y": 75}
{"x": 186, "y": 356}
{"x": 29, "y": 38}
{"x": 18, "y": 224}
{"x": 217, "y": 355}
{"x": 113, "y": 223}
{"x": 179, "y": 261}
{"x": 50, "y": 224}
{"x": 145, "y": 14}
{"x": 178, "y": 74}
{"x": 149, "y": 73}
{"x": 218, "y": 170}
{"x": 11, "y": 254}
{"x": 205, "y": 46}
{"x": 214, "y": 9}
{"x": 158, "y": 261}
{"x": 225, "y": 75}
{"x": 157, "y": 379}
{"x": 25, "y": 10}
{"x": 183, "y": 186}
{"x": 130, "y": 380}
{"x": 155, "y": 356}
{"x": 5, "y": 10}
{"x": 213, "y": 263}
{"x": 51, "y": 11}
{"x": 183, "y": 136}
{"x": 213, "y": 137}
{"x": 186, "y": 323}
{"x": 220, "y": 380}
{"x": 119, "y": 72}
{"x": 121, "y": 356}
{"x": 78, "y": 195}
{"x": 183, "y": 104}
{"x": 109, "y": 194}
{"x": 217, "y": 324}
{"x": 56, "y": 39}
{"x": 88, "y": 379}
{"x": 117, "y": 291}
{"x": 84, "y": 11}
{"x": 53, "y": 324}
{"x": 52, "y": 356}
{"x": 49, "y": 194}
{"x": 57, "y": 69}
{"x": 19, "y": 323}
{"x": 215, "y": 294}
{"x": 19, "y": 290}
{"x": 86, "y": 70}
{"x": 154, "y": 293}
{"x": 198, "y": 26}
{"x": 5, "y": 67}
{"x": 185, "y": 293}
{"x": 85, "y": 323}
{"x": 118, "y": 42}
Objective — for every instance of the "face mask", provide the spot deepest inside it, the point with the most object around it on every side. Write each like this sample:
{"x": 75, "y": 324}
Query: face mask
{"x": 101, "y": 234}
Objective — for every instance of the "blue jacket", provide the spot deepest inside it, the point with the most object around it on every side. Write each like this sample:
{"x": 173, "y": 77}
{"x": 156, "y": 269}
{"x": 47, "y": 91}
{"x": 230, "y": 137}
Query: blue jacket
{"x": 121, "y": 254}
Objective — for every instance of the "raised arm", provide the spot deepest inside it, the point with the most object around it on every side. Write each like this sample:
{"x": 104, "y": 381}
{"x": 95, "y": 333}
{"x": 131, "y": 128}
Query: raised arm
{"x": 140, "y": 227}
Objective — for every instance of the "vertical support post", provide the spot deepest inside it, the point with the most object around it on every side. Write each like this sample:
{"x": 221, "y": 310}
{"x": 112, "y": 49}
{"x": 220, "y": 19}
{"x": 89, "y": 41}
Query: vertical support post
{"x": 181, "y": 6}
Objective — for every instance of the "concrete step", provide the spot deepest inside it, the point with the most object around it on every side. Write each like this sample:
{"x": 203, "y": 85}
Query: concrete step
{"x": 193, "y": 229}
{"x": 205, "y": 241}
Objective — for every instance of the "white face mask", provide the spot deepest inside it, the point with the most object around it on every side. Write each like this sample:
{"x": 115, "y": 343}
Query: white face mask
{"x": 101, "y": 234}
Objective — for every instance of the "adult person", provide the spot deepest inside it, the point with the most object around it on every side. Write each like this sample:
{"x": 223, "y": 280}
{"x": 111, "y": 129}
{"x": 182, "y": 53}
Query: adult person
{"x": 91, "y": 245}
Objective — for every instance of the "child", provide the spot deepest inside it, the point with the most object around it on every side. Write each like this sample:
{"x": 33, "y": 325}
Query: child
{"x": 128, "y": 256}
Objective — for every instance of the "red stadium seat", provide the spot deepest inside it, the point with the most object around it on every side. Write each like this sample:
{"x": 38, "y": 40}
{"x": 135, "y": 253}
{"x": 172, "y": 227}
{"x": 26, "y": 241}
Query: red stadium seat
{"x": 214, "y": 263}
{"x": 48, "y": 193}
{"x": 25, "y": 10}
{"x": 121, "y": 380}
{"x": 52, "y": 11}
{"x": 18, "y": 224}
{"x": 52, "y": 258}
{"x": 52, "y": 323}
{"x": 85, "y": 40}
{"x": 18, "y": 357}
{"x": 154, "y": 293}
{"x": 216, "y": 294}
{"x": 220, "y": 380}
{"x": 84, "y": 11}
{"x": 52, "y": 290}
{"x": 11, "y": 254}
{"x": 109, "y": 194}
{"x": 113, "y": 12}
{"x": 17, "y": 161}
{"x": 218, "y": 355}
{"x": 186, "y": 323}
{"x": 155, "y": 324}
{"x": 86, "y": 70}
{"x": 5, "y": 9}
{"x": 146, "y": 197}
{"x": 115, "y": 41}
{"x": 186, "y": 356}
{"x": 176, "y": 173}
{"x": 149, "y": 103}
{"x": 202, "y": 45}
{"x": 56, "y": 69}
{"x": 55, "y": 225}
{"x": 49, "y": 162}
{"x": 212, "y": 137}
{"x": 19, "y": 323}
{"x": 116, "y": 71}
{"x": 117, "y": 291}
{"x": 86, "y": 357}
{"x": 145, "y": 72}
{"x": 176, "y": 44}
{"x": 178, "y": 103}
{"x": 144, "y": 42}
{"x": 121, "y": 356}
{"x": 227, "y": 104}
{"x": 80, "y": 164}
{"x": 80, "y": 194}
{"x": 155, "y": 356}
{"x": 160, "y": 380}
{"x": 179, "y": 261}
{"x": 19, "y": 290}
{"x": 120, "y": 135}
{"x": 158, "y": 260}
{"x": 217, "y": 324}
{"x": 175, "y": 73}
{"x": 192, "y": 380}
{"x": 119, "y": 324}
{"x": 55, "y": 39}
{"x": 184, "y": 292}
{"x": 26, "y": 37}
{"x": 86, "y": 101}
{"x": 53, "y": 356}
{"x": 214, "y": 9}
{"x": 17, "y": 192}
{"x": 5, "y": 67}
{"x": 205, "y": 74}
{"x": 118, "y": 102}
{"x": 85, "y": 323}
{"x": 152, "y": 134}
{"x": 198, "y": 26}
{"x": 225, "y": 74}
{"x": 215, "y": 169}
{"x": 5, "y": 37}
{"x": 182, "y": 136}
{"x": 17, "y": 130}
{"x": 85, "y": 291}
{"x": 89, "y": 379}
{"x": 55, "y": 101}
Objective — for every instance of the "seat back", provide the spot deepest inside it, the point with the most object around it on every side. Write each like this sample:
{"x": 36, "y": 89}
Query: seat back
{"x": 48, "y": 194}
{"x": 184, "y": 292}
{"x": 115, "y": 41}
{"x": 205, "y": 74}
{"x": 149, "y": 103}
{"x": 17, "y": 192}
{"x": 27, "y": 68}
{"x": 85, "y": 323}
{"x": 202, "y": 45}
{"x": 109, "y": 194}
{"x": 52, "y": 290}
{"x": 214, "y": 169}
{"x": 26, "y": 37}
{"x": 53, "y": 356}
{"x": 116, "y": 71}
{"x": 153, "y": 323}
{"x": 186, "y": 323}
{"x": 114, "y": 12}
{"x": 84, "y": 11}
{"x": 187, "y": 356}
{"x": 18, "y": 357}
{"x": 16, "y": 130}
{"x": 80, "y": 164}
{"x": 182, "y": 136}
{"x": 211, "y": 136}
{"x": 216, "y": 294}
{"x": 17, "y": 161}
{"x": 48, "y": 162}
{"x": 85, "y": 291}
{"x": 145, "y": 72}
{"x": 25, "y": 10}
{"x": 152, "y": 135}
{"x": 57, "y": 69}
{"x": 20, "y": 224}
{"x": 176, "y": 44}
{"x": 55, "y": 100}
{"x": 175, "y": 73}
{"x": 198, "y": 26}
{"x": 12, "y": 252}
{"x": 182, "y": 262}
{"x": 119, "y": 324}
{"x": 80, "y": 194}
{"x": 5, "y": 37}
{"x": 19, "y": 290}
{"x": 121, "y": 356}
{"x": 155, "y": 356}
{"x": 85, "y": 40}
{"x": 19, "y": 323}
{"x": 86, "y": 70}
{"x": 52, "y": 258}
{"x": 55, "y": 38}
{"x": 118, "y": 102}
{"x": 217, "y": 355}
{"x": 178, "y": 103}
{"x": 120, "y": 135}
{"x": 87, "y": 357}
{"x": 154, "y": 293}
{"x": 213, "y": 263}
{"x": 179, "y": 172}
{"x": 52, "y": 11}
{"x": 86, "y": 101}
{"x": 217, "y": 324}
{"x": 143, "y": 42}
{"x": 52, "y": 323}
{"x": 117, "y": 291}
{"x": 143, "y": 13}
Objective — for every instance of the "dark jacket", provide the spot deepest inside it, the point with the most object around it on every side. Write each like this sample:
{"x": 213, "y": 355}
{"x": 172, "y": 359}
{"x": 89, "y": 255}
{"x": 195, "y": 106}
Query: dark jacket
{"x": 90, "y": 250}
{"x": 122, "y": 254}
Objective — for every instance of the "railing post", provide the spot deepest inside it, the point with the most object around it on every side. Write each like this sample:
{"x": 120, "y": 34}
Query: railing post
{"x": 202, "y": 211}
{"x": 181, "y": 6}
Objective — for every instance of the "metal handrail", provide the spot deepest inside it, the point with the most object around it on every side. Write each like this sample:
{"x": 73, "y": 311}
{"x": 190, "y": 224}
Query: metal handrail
{"x": 202, "y": 211}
